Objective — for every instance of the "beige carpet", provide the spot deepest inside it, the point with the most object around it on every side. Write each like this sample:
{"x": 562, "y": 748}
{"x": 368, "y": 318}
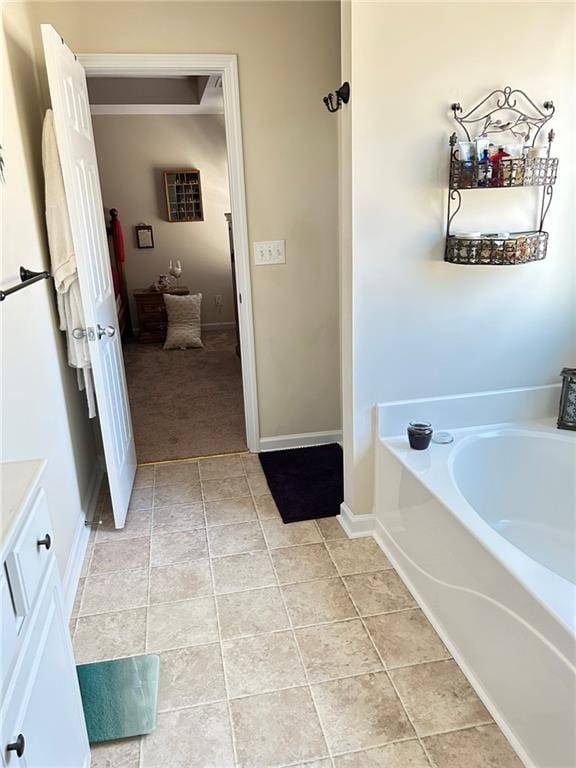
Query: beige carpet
{"x": 186, "y": 403}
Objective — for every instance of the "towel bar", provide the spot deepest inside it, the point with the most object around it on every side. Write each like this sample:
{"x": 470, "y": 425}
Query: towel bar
{"x": 27, "y": 276}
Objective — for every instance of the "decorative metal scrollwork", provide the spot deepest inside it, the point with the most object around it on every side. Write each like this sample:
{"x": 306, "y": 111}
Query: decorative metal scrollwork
{"x": 520, "y": 122}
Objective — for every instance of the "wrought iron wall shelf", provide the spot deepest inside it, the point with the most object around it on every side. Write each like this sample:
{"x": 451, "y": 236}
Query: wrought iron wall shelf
{"x": 516, "y": 248}
{"x": 502, "y": 113}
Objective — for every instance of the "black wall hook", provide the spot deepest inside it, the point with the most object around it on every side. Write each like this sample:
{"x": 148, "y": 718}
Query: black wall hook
{"x": 342, "y": 96}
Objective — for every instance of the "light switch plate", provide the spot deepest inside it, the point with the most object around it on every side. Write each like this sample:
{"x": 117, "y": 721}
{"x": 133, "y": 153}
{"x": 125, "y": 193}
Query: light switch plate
{"x": 270, "y": 252}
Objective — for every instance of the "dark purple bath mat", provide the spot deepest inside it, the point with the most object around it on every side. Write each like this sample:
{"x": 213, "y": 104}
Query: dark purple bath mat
{"x": 305, "y": 482}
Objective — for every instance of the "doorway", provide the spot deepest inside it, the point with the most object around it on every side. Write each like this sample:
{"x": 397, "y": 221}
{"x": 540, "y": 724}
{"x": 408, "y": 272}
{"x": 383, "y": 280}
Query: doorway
{"x": 197, "y": 401}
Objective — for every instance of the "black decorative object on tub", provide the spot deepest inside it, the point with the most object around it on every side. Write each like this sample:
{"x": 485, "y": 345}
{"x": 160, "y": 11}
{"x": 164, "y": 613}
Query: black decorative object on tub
{"x": 306, "y": 483}
{"x": 500, "y": 151}
{"x": 567, "y": 413}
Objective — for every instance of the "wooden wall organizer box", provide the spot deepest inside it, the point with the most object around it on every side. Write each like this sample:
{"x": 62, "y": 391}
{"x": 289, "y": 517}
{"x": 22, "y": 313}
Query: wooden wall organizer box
{"x": 183, "y": 195}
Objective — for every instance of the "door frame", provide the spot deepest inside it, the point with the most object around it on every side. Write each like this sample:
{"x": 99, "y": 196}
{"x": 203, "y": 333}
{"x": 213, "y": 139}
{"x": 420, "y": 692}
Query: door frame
{"x": 225, "y": 65}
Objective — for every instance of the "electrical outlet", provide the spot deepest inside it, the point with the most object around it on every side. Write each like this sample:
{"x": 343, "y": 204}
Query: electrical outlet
{"x": 218, "y": 302}
{"x": 270, "y": 252}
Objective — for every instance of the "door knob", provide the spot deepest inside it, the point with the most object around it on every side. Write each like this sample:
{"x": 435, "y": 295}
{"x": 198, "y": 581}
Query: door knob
{"x": 109, "y": 331}
{"x": 17, "y": 746}
{"x": 45, "y": 542}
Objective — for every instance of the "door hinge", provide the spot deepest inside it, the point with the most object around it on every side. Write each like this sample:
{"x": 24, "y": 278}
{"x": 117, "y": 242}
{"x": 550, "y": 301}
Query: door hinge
{"x": 240, "y": 298}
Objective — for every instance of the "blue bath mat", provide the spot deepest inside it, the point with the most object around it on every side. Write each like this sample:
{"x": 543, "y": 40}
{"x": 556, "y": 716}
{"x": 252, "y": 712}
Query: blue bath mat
{"x": 120, "y": 697}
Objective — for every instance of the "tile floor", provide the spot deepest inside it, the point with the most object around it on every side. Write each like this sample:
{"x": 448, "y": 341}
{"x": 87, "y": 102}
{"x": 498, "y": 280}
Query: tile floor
{"x": 280, "y": 645}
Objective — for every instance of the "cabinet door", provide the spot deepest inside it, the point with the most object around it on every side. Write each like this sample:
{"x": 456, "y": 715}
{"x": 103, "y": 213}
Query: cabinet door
{"x": 44, "y": 704}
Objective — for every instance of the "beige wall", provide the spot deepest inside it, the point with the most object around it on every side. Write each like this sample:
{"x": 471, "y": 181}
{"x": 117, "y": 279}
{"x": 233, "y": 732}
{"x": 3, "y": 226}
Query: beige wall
{"x": 289, "y": 57}
{"x": 43, "y": 416}
{"x": 133, "y": 151}
{"x": 421, "y": 327}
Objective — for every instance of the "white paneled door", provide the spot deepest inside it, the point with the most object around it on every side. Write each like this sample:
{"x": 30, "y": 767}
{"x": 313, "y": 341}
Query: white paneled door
{"x": 69, "y": 95}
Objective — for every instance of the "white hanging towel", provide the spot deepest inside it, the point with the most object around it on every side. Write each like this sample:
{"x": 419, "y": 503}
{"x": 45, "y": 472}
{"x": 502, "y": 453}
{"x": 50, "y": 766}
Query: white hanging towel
{"x": 63, "y": 261}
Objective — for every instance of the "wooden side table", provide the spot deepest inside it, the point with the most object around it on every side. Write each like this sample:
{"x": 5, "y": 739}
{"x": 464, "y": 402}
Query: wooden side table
{"x": 152, "y": 317}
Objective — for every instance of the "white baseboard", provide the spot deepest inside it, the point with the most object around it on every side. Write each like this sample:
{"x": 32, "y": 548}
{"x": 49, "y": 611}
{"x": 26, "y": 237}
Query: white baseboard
{"x": 280, "y": 442}
{"x": 81, "y": 536}
{"x": 356, "y": 525}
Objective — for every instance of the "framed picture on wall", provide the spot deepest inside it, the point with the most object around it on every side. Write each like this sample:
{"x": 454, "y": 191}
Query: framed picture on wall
{"x": 144, "y": 236}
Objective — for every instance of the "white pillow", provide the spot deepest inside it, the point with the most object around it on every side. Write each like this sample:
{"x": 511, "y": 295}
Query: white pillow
{"x": 183, "y": 321}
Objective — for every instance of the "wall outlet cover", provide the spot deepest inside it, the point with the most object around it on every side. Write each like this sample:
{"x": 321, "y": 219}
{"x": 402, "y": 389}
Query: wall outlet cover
{"x": 270, "y": 252}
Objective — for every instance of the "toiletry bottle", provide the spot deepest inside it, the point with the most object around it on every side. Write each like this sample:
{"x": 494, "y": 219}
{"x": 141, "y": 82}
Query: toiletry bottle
{"x": 495, "y": 177}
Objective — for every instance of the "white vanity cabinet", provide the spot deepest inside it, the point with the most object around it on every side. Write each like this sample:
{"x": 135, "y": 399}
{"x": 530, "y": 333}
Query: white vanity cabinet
{"x": 41, "y": 717}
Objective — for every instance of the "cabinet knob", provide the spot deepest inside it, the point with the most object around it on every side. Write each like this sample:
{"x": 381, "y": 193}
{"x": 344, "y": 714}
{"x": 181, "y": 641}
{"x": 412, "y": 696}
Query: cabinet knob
{"x": 17, "y": 746}
{"x": 45, "y": 542}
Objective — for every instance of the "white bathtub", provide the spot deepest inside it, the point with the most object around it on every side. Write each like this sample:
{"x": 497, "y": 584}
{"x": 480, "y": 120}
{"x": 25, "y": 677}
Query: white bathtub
{"x": 482, "y": 531}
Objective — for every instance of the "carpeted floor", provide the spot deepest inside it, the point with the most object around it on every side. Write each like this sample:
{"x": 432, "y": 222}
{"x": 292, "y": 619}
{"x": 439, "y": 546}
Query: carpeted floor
{"x": 186, "y": 403}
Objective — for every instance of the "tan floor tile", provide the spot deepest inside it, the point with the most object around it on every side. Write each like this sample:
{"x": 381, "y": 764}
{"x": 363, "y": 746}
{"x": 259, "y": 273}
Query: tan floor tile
{"x": 406, "y": 754}
{"x": 229, "y": 511}
{"x": 252, "y": 465}
{"x": 251, "y": 613}
{"x": 229, "y": 488}
{"x": 177, "y": 493}
{"x": 178, "y": 546}
{"x": 78, "y": 598}
{"x": 124, "y": 753}
{"x": 110, "y": 635}
{"x": 406, "y": 638}
{"x": 292, "y": 733}
{"x": 138, "y": 523}
{"x": 72, "y": 627}
{"x": 245, "y": 571}
{"x": 221, "y": 468}
{"x": 258, "y": 484}
{"x": 180, "y": 581}
{"x": 337, "y": 650}
{"x": 438, "y": 697}
{"x": 88, "y": 556}
{"x": 235, "y": 539}
{"x": 266, "y": 507}
{"x": 115, "y": 591}
{"x": 315, "y": 602}
{"x": 331, "y": 529}
{"x": 190, "y": 676}
{"x": 178, "y": 517}
{"x": 358, "y": 555}
{"x": 279, "y": 534}
{"x": 325, "y": 763}
{"x": 144, "y": 477}
{"x": 141, "y": 499}
{"x": 198, "y": 737}
{"x": 121, "y": 555}
{"x": 177, "y": 625}
{"x": 177, "y": 473}
{"x": 295, "y": 564}
{"x": 361, "y": 712}
{"x": 262, "y": 663}
{"x": 483, "y": 747}
{"x": 378, "y": 592}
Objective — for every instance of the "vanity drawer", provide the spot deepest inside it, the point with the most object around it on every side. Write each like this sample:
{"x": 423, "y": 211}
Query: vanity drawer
{"x": 9, "y": 626}
{"x": 28, "y": 558}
